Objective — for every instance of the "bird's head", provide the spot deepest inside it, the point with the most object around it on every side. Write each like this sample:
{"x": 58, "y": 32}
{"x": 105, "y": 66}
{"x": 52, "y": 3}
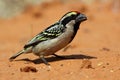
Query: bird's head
{"x": 73, "y": 17}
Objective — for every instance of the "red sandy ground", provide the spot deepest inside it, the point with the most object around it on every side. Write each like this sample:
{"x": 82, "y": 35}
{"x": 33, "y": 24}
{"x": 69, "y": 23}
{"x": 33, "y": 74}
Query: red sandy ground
{"x": 95, "y": 49}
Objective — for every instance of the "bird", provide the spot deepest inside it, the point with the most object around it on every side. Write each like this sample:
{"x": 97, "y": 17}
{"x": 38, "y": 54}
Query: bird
{"x": 54, "y": 37}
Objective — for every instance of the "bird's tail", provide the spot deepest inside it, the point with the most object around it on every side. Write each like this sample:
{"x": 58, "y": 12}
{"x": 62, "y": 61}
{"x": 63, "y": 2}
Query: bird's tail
{"x": 16, "y": 55}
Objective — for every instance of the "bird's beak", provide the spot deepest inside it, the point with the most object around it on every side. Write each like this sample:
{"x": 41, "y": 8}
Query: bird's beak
{"x": 81, "y": 18}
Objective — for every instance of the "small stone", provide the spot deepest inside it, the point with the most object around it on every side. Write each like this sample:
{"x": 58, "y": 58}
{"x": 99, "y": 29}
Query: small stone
{"x": 86, "y": 64}
{"x": 12, "y": 73}
{"x": 111, "y": 71}
{"x": 28, "y": 69}
{"x": 99, "y": 64}
{"x": 34, "y": 79}
{"x": 103, "y": 67}
{"x": 49, "y": 68}
{"x": 105, "y": 49}
{"x": 9, "y": 66}
{"x": 61, "y": 65}
{"x": 107, "y": 63}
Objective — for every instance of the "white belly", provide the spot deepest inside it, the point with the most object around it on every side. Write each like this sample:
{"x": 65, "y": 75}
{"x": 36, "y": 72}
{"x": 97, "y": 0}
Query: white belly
{"x": 51, "y": 46}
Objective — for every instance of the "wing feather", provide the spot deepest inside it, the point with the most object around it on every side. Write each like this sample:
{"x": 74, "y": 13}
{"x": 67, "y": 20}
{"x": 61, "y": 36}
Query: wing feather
{"x": 50, "y": 33}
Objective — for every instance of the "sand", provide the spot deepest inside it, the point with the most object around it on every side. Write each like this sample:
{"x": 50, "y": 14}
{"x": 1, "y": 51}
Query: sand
{"x": 94, "y": 54}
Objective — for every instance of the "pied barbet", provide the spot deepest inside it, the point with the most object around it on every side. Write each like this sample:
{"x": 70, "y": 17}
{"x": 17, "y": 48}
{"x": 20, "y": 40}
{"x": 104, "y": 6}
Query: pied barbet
{"x": 55, "y": 37}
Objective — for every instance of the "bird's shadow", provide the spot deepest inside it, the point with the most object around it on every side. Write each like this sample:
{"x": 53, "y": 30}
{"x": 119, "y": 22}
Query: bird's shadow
{"x": 53, "y": 58}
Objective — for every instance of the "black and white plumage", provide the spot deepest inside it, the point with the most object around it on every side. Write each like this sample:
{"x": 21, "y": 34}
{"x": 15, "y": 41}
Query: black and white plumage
{"x": 55, "y": 37}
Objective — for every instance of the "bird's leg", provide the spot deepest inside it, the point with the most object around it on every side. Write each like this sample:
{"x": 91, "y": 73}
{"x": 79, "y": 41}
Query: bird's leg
{"x": 43, "y": 59}
{"x": 59, "y": 56}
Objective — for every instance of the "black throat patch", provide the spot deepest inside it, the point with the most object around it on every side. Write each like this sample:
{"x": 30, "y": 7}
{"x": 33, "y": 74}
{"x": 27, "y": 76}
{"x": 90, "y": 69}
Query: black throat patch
{"x": 76, "y": 27}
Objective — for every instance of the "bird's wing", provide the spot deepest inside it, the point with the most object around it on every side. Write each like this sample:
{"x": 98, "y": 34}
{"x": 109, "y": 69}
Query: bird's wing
{"x": 50, "y": 33}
